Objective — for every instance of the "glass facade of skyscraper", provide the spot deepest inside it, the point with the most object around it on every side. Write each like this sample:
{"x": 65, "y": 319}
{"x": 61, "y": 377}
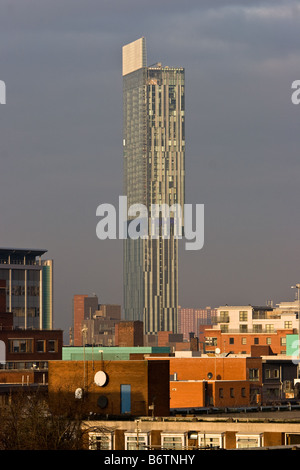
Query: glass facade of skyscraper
{"x": 154, "y": 174}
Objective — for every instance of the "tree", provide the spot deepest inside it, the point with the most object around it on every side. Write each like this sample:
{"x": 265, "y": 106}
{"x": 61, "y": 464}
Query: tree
{"x": 29, "y": 423}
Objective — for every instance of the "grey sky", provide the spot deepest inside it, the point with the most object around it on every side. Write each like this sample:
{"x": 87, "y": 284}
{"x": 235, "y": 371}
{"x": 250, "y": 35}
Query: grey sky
{"x": 61, "y": 139}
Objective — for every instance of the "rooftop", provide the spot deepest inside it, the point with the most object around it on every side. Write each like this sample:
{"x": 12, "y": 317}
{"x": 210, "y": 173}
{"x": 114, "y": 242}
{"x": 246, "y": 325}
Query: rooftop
{"x": 21, "y": 252}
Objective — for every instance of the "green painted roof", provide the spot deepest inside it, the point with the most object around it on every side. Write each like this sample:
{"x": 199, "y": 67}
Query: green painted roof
{"x": 77, "y": 353}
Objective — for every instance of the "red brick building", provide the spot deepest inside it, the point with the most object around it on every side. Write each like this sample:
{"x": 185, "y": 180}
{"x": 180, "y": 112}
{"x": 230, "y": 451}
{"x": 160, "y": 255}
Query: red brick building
{"x": 27, "y": 353}
{"x": 241, "y": 343}
{"x": 204, "y": 393}
{"x": 129, "y": 334}
{"x": 214, "y": 381}
{"x": 114, "y": 387}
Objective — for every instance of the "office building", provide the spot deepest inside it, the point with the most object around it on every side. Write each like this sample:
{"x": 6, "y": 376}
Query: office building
{"x": 26, "y": 285}
{"x": 154, "y": 174}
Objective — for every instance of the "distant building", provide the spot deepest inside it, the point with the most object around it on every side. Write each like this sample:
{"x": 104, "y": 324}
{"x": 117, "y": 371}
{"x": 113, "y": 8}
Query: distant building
{"x": 129, "y": 333}
{"x": 154, "y": 173}
{"x": 238, "y": 328}
{"x": 94, "y": 323}
{"x": 26, "y": 287}
{"x": 191, "y": 319}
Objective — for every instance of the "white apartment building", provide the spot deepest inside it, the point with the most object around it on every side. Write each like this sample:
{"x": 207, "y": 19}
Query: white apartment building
{"x": 250, "y": 319}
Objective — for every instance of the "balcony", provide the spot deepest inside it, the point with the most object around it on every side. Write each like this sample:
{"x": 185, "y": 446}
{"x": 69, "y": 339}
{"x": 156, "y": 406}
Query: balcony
{"x": 222, "y": 319}
{"x": 254, "y": 330}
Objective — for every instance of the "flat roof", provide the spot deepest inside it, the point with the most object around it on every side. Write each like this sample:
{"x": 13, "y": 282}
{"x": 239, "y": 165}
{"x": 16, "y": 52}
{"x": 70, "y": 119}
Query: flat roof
{"x": 21, "y": 252}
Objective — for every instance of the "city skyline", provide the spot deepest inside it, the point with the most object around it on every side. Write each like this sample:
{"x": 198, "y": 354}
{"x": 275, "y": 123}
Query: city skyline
{"x": 61, "y": 141}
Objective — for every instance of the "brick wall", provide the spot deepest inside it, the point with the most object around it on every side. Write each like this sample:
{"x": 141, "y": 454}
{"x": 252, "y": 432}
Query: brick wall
{"x": 144, "y": 378}
{"x": 129, "y": 334}
{"x": 234, "y": 342}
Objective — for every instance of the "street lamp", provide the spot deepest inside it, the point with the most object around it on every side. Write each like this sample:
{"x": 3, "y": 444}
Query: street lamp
{"x": 84, "y": 331}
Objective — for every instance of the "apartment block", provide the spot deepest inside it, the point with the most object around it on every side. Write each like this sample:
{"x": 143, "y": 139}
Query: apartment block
{"x": 191, "y": 320}
{"x": 238, "y": 328}
{"x": 228, "y": 432}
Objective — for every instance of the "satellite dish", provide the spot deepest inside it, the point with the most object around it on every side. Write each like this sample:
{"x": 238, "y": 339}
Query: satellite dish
{"x": 209, "y": 375}
{"x": 78, "y": 393}
{"x": 100, "y": 378}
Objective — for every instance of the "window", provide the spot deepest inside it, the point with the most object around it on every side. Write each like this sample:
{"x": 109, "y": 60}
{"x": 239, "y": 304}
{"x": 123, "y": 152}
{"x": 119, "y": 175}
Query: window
{"x": 20, "y": 345}
{"x": 269, "y": 328}
{"x": 211, "y": 341}
{"x": 253, "y": 375}
{"x": 40, "y": 346}
{"x": 221, "y": 394}
{"x": 231, "y": 392}
{"x": 100, "y": 441}
{"x": 256, "y": 340}
{"x": 134, "y": 441}
{"x": 267, "y": 374}
{"x": 231, "y": 340}
{"x": 224, "y": 328}
{"x": 243, "y": 328}
{"x": 244, "y": 340}
{"x": 224, "y": 316}
{"x": 276, "y": 373}
{"x": 268, "y": 340}
{"x": 243, "y": 315}
{"x": 288, "y": 324}
{"x": 52, "y": 345}
{"x": 211, "y": 440}
{"x": 244, "y": 441}
{"x": 243, "y": 392}
{"x": 257, "y": 328}
{"x": 172, "y": 441}
{"x": 283, "y": 341}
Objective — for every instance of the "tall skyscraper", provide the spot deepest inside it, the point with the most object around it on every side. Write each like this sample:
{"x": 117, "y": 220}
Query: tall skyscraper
{"x": 27, "y": 283}
{"x": 154, "y": 174}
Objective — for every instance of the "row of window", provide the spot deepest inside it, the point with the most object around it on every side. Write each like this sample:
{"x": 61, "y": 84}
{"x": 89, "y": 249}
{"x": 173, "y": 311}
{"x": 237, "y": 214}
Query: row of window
{"x": 211, "y": 341}
{"x": 243, "y": 317}
{"x": 19, "y": 365}
{"x": 27, "y": 346}
{"x": 256, "y": 341}
{"x": 172, "y": 441}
